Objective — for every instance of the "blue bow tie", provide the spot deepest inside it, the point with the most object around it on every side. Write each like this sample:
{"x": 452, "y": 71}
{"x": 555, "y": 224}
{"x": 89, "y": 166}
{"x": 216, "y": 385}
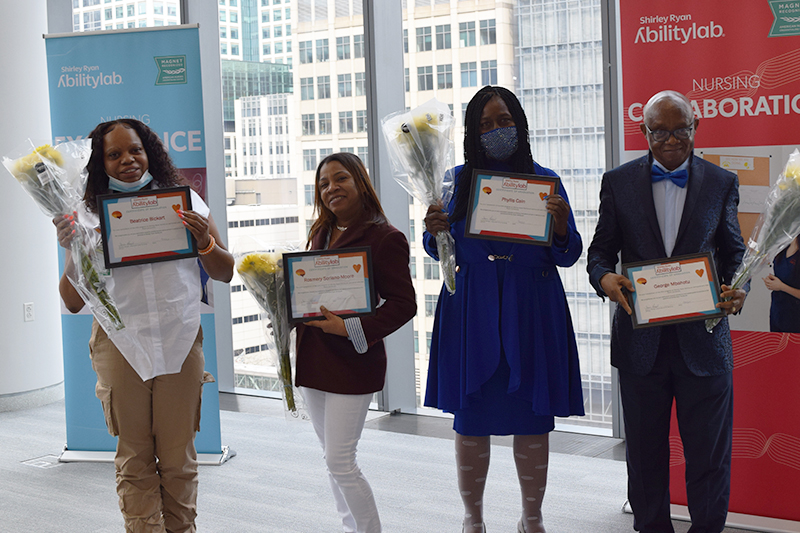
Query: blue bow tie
{"x": 678, "y": 177}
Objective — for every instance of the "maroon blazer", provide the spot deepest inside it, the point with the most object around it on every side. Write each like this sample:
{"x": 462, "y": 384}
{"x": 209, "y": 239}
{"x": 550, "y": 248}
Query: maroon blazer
{"x": 330, "y": 363}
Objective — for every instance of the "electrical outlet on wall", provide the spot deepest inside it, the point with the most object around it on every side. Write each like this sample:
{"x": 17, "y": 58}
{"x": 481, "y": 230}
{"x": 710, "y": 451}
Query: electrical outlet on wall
{"x": 28, "y": 312}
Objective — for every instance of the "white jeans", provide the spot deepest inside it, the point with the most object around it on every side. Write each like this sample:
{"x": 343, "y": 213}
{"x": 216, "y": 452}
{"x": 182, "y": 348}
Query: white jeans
{"x": 338, "y": 420}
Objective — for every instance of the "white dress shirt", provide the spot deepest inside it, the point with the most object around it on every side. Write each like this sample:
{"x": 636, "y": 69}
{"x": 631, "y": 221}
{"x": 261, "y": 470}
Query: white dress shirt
{"x": 669, "y": 200}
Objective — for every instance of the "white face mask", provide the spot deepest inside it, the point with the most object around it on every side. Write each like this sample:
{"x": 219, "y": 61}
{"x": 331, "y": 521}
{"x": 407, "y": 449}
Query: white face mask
{"x": 129, "y": 186}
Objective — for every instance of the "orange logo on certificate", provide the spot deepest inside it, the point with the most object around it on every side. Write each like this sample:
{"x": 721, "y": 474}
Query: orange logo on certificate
{"x": 543, "y": 195}
{"x": 641, "y": 281}
{"x": 699, "y": 272}
{"x": 300, "y": 272}
{"x": 357, "y": 268}
{"x": 487, "y": 190}
{"x": 116, "y": 214}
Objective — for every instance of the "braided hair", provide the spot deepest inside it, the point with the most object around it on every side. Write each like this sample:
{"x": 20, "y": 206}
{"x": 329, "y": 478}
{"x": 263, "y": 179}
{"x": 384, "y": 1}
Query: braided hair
{"x": 475, "y": 156}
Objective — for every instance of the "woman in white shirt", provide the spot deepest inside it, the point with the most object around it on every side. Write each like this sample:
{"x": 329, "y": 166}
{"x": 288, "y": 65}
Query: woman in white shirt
{"x": 150, "y": 374}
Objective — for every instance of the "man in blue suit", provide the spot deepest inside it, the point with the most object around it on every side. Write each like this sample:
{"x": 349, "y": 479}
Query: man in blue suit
{"x": 670, "y": 203}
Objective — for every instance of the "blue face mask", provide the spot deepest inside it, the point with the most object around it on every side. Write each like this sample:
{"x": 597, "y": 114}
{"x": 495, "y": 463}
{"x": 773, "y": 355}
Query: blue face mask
{"x": 123, "y": 186}
{"x": 500, "y": 144}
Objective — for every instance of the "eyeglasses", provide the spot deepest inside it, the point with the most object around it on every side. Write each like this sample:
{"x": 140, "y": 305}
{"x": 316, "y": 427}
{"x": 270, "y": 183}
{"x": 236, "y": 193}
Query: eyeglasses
{"x": 661, "y": 136}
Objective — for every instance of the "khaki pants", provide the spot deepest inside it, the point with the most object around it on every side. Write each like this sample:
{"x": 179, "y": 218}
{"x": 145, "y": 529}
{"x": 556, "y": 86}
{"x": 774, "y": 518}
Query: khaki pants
{"x": 156, "y": 421}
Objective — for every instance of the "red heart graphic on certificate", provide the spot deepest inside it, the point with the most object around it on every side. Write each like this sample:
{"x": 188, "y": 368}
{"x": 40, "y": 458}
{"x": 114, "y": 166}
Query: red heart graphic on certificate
{"x": 176, "y": 206}
{"x": 700, "y": 272}
{"x": 542, "y": 195}
{"x": 357, "y": 268}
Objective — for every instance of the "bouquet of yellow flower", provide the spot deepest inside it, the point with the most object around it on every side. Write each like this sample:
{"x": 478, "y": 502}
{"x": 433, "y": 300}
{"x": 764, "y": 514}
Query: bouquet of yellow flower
{"x": 421, "y": 152}
{"x": 55, "y": 177}
{"x": 262, "y": 274}
{"x": 776, "y": 227}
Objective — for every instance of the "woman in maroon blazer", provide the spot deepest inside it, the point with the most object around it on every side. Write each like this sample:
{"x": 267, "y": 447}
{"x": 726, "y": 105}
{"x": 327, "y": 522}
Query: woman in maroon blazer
{"x": 341, "y": 363}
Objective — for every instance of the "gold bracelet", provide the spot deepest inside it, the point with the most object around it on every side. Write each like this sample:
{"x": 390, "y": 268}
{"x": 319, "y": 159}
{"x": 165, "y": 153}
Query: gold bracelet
{"x": 207, "y": 250}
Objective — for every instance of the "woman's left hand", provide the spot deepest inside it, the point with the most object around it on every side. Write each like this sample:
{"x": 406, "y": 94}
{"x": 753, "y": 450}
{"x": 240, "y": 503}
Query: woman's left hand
{"x": 735, "y": 299}
{"x": 332, "y": 324}
{"x": 559, "y": 208}
{"x": 773, "y": 283}
{"x": 197, "y": 224}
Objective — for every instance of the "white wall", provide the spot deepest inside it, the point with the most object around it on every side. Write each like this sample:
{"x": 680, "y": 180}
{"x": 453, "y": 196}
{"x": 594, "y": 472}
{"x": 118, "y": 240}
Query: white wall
{"x": 30, "y": 352}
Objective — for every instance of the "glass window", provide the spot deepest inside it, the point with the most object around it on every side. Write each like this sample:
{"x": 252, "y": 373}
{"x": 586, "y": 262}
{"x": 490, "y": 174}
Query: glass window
{"x": 306, "y": 88}
{"x": 277, "y": 15}
{"x": 358, "y": 46}
{"x": 109, "y": 14}
{"x": 172, "y": 11}
{"x": 361, "y": 120}
{"x": 306, "y": 55}
{"x": 363, "y": 155}
{"x": 325, "y": 124}
{"x": 234, "y": 33}
{"x": 265, "y": 33}
{"x": 235, "y": 49}
{"x": 288, "y": 13}
{"x": 265, "y": 16}
{"x": 119, "y": 12}
{"x": 412, "y": 229}
{"x": 223, "y": 16}
{"x": 310, "y": 159}
{"x": 130, "y": 10}
{"x": 488, "y": 34}
{"x": 223, "y": 48}
{"x": 278, "y": 31}
{"x": 407, "y": 79}
{"x": 489, "y": 72}
{"x": 308, "y": 124}
{"x": 444, "y": 76}
{"x": 424, "y": 78}
{"x": 405, "y": 41}
{"x": 430, "y": 305}
{"x": 234, "y": 16}
{"x": 345, "y": 85}
{"x": 466, "y": 34}
{"x": 343, "y": 48}
{"x": 267, "y": 49}
{"x": 469, "y": 74}
{"x": 142, "y": 8}
{"x": 322, "y": 50}
{"x": 288, "y": 30}
{"x": 424, "y": 42}
{"x": 279, "y": 48}
{"x": 323, "y": 87}
{"x": 431, "y": 268}
{"x": 361, "y": 84}
{"x": 158, "y": 8}
{"x": 345, "y": 122}
{"x": 309, "y": 194}
{"x": 443, "y": 37}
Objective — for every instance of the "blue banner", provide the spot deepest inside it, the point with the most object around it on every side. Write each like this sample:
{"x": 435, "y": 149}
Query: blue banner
{"x": 152, "y": 75}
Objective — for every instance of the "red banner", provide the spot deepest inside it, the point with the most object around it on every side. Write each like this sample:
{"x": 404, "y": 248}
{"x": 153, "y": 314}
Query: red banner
{"x": 737, "y": 61}
{"x": 766, "y": 428}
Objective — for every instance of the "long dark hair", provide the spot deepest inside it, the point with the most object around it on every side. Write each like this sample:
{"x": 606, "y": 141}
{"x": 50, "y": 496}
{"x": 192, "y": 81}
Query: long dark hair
{"x": 373, "y": 212}
{"x": 158, "y": 161}
{"x": 475, "y": 156}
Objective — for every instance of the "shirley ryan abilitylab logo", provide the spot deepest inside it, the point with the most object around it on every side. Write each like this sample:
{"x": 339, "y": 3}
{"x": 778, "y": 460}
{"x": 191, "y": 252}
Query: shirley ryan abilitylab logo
{"x": 171, "y": 70}
{"x": 787, "y": 18}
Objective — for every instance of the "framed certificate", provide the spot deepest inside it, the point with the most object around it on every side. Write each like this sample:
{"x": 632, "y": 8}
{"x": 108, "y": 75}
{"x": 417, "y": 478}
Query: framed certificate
{"x": 675, "y": 289}
{"x": 341, "y": 280}
{"x": 504, "y": 206}
{"x": 144, "y": 227}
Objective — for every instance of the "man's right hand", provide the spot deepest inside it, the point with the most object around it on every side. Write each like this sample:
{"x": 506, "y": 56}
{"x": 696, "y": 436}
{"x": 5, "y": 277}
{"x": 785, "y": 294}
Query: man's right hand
{"x": 615, "y": 286}
{"x": 436, "y": 219}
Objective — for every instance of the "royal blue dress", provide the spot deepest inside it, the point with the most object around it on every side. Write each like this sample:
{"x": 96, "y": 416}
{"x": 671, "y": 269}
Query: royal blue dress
{"x": 784, "y": 313}
{"x": 503, "y": 353}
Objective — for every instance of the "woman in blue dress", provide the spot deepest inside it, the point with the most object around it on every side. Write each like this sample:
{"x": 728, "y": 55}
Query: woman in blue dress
{"x": 784, "y": 313}
{"x": 503, "y": 355}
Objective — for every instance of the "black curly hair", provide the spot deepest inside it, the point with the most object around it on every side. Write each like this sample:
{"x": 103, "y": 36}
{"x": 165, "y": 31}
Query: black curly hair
{"x": 164, "y": 172}
{"x": 474, "y": 155}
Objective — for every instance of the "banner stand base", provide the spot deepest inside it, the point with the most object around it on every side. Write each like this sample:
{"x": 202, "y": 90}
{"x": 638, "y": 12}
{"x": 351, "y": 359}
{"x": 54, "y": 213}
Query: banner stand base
{"x": 82, "y": 456}
{"x": 736, "y": 520}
